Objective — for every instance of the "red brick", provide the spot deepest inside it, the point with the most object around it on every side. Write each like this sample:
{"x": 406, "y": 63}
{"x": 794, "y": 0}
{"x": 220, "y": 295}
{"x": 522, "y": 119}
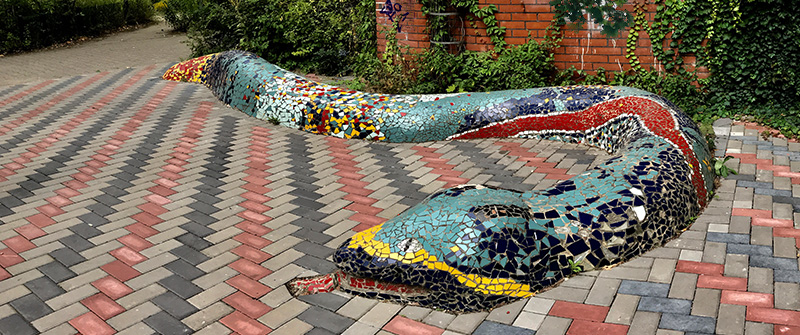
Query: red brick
{"x": 250, "y": 269}
{"x": 4, "y": 274}
{"x": 141, "y": 230}
{"x": 249, "y": 306}
{"x": 151, "y": 208}
{"x": 252, "y": 228}
{"x": 147, "y": 219}
{"x": 583, "y": 327}
{"x": 112, "y": 287}
{"x": 700, "y": 268}
{"x": 252, "y": 240}
{"x": 30, "y": 231}
{"x": 59, "y": 201}
{"x": 772, "y": 315}
{"x": 8, "y": 258}
{"x": 254, "y": 217}
{"x": 756, "y": 221}
{"x": 251, "y": 253}
{"x": 752, "y": 299}
{"x": 254, "y": 206}
{"x": 244, "y": 325}
{"x": 786, "y": 330}
{"x": 722, "y": 282}
{"x": 120, "y": 270}
{"x": 103, "y": 306}
{"x": 249, "y": 286}
{"x": 19, "y": 244}
{"x": 50, "y": 210}
{"x": 359, "y": 199}
{"x": 404, "y": 326}
{"x": 128, "y": 256}
{"x": 786, "y": 232}
{"x": 577, "y": 311}
{"x": 367, "y": 219}
{"x": 91, "y": 324}
{"x": 756, "y": 213}
{"x": 40, "y": 220}
{"x": 135, "y": 242}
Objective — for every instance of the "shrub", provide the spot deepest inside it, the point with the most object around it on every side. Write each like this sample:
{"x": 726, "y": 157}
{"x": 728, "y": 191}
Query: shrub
{"x": 310, "y": 35}
{"x": 28, "y": 24}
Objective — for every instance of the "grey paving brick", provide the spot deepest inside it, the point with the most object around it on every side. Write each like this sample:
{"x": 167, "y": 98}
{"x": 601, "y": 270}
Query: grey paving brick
{"x": 644, "y": 323}
{"x": 785, "y": 247}
{"x": 166, "y": 324}
{"x": 644, "y": 288}
{"x": 182, "y": 287}
{"x": 379, "y": 315}
{"x": 491, "y": 328}
{"x": 31, "y": 307}
{"x": 44, "y": 288}
{"x": 416, "y": 313}
{"x": 467, "y": 323}
{"x": 684, "y": 286}
{"x": 757, "y": 328}
{"x": 773, "y": 262}
{"x": 687, "y": 323}
{"x": 665, "y": 305}
{"x": 748, "y": 249}
{"x": 662, "y": 271}
{"x": 603, "y": 291}
{"x": 174, "y": 305}
{"x": 706, "y": 302}
{"x": 289, "y": 310}
{"x": 16, "y": 325}
{"x": 761, "y": 235}
{"x": 505, "y": 314}
{"x": 788, "y": 276}
{"x": 728, "y": 238}
{"x": 320, "y": 317}
{"x": 736, "y": 265}
{"x": 328, "y": 301}
{"x": 731, "y": 319}
{"x": 623, "y": 309}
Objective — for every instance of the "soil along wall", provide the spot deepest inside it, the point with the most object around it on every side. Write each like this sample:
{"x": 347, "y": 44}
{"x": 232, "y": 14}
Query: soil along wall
{"x": 586, "y": 48}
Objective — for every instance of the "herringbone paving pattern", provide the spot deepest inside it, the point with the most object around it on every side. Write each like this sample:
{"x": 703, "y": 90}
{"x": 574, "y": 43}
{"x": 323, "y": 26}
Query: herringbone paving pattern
{"x": 134, "y": 205}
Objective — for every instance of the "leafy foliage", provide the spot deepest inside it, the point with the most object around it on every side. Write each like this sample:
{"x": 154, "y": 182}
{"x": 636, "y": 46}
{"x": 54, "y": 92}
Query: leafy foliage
{"x": 31, "y": 24}
{"x": 437, "y": 25}
{"x": 310, "y": 35}
{"x": 602, "y": 12}
{"x": 720, "y": 169}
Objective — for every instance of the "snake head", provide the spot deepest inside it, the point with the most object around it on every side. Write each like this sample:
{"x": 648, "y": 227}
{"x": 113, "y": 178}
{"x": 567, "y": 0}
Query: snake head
{"x": 188, "y": 71}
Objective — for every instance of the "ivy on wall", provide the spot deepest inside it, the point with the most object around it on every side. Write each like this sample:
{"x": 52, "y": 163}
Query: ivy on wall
{"x": 438, "y": 26}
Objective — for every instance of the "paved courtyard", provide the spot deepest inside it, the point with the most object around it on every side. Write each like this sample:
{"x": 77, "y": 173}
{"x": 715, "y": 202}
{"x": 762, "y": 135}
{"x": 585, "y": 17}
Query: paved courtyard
{"x": 134, "y": 205}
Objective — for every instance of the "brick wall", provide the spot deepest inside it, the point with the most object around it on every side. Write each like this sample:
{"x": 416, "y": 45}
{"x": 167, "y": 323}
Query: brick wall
{"x": 586, "y": 48}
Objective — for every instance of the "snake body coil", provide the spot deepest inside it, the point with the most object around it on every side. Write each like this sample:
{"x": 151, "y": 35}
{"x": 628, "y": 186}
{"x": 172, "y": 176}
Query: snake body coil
{"x": 473, "y": 247}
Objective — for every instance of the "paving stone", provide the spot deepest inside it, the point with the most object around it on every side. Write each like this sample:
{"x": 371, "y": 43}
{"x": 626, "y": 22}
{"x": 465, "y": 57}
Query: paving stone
{"x": 687, "y": 323}
{"x": 325, "y": 300}
{"x": 489, "y": 327}
{"x": 207, "y": 316}
{"x": 325, "y": 319}
{"x": 552, "y": 325}
{"x": 286, "y": 312}
{"x": 505, "y": 314}
{"x": 644, "y": 323}
{"x": 603, "y": 291}
{"x": 756, "y": 328}
{"x": 731, "y": 319}
{"x": 644, "y": 288}
{"x": 166, "y": 324}
{"x": 623, "y": 309}
{"x": 380, "y": 314}
{"x": 706, "y": 302}
{"x": 684, "y": 286}
{"x": 665, "y": 305}
{"x": 16, "y": 325}
{"x": 31, "y": 307}
{"x": 358, "y": 306}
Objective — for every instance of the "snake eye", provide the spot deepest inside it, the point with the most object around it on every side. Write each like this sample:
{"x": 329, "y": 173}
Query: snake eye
{"x": 409, "y": 245}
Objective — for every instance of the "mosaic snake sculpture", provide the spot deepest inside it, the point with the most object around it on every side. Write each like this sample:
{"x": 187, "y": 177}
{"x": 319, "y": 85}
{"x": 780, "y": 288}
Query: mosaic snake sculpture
{"x": 474, "y": 247}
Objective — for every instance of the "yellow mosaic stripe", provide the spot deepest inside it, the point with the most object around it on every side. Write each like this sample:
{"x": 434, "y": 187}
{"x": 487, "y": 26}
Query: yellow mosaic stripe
{"x": 486, "y": 285}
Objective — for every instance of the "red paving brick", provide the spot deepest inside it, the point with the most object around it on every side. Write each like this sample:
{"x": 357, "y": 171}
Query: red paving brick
{"x": 120, "y": 270}
{"x": 30, "y": 231}
{"x": 774, "y": 316}
{"x": 103, "y": 306}
{"x": 8, "y": 258}
{"x": 135, "y": 242}
{"x": 404, "y": 326}
{"x": 251, "y": 253}
{"x": 786, "y": 330}
{"x": 722, "y": 283}
{"x": 250, "y": 269}
{"x": 747, "y": 298}
{"x": 112, "y": 287}
{"x": 247, "y": 305}
{"x": 249, "y": 286}
{"x": 128, "y": 256}
{"x": 571, "y": 310}
{"x": 19, "y": 244}
{"x": 771, "y": 222}
{"x": 583, "y": 327}
{"x": 240, "y": 323}
{"x": 252, "y": 240}
{"x": 700, "y": 268}
{"x": 91, "y": 324}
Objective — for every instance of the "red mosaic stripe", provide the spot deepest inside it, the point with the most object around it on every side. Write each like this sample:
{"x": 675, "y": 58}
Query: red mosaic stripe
{"x": 654, "y": 116}
{"x": 11, "y": 125}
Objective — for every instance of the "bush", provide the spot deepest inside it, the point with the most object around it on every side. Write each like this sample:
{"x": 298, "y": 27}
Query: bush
{"x": 311, "y": 35}
{"x": 28, "y": 24}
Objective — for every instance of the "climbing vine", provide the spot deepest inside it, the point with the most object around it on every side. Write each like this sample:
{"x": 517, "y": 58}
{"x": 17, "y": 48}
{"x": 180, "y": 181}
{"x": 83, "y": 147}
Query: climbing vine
{"x": 438, "y": 28}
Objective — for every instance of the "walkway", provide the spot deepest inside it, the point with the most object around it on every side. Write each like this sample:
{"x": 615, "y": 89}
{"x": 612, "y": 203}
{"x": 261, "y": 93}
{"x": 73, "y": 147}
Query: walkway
{"x": 135, "y": 205}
